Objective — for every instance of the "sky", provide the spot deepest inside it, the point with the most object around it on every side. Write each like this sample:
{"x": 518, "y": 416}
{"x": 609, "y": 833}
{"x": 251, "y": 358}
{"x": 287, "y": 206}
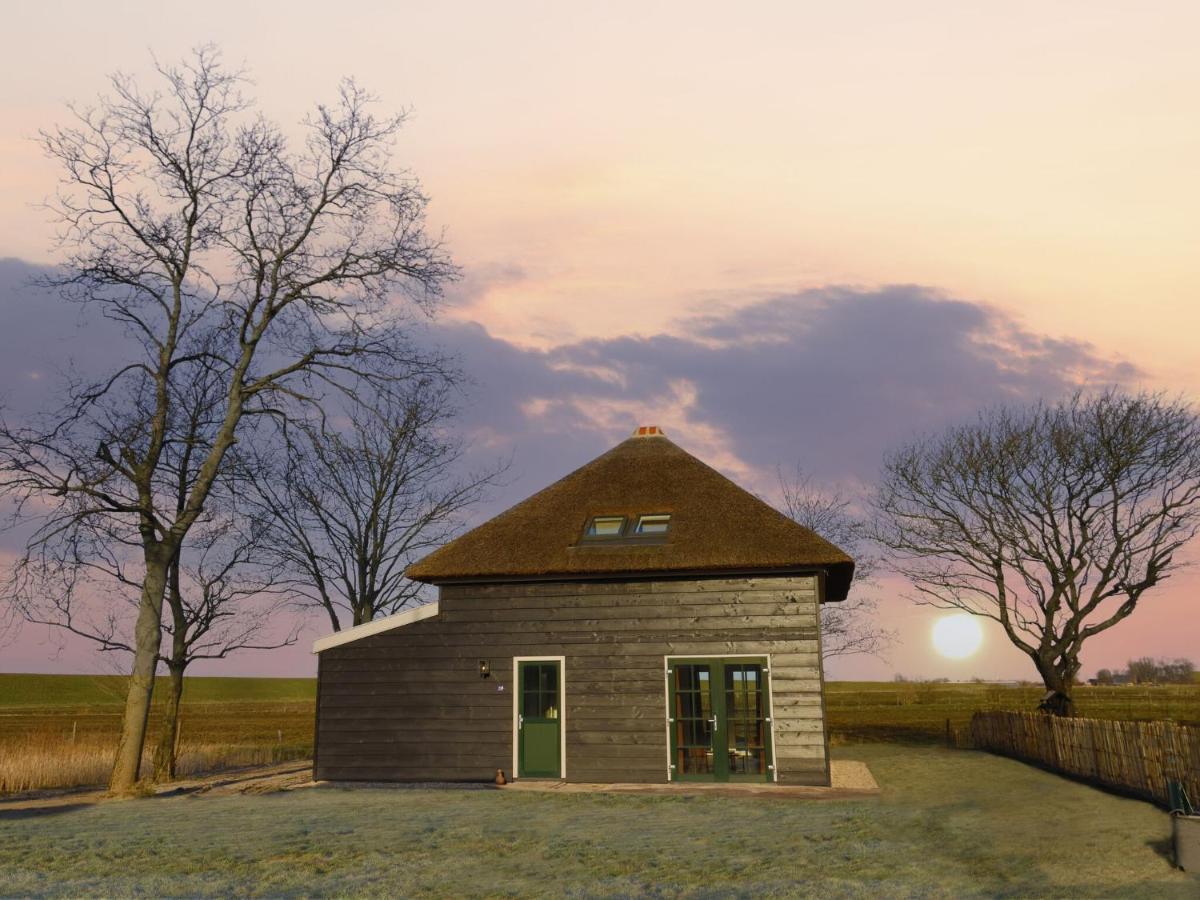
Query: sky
{"x": 803, "y": 233}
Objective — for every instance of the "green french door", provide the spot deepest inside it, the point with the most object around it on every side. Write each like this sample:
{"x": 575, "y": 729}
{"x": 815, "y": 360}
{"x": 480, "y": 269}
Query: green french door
{"x": 539, "y": 744}
{"x": 719, "y": 720}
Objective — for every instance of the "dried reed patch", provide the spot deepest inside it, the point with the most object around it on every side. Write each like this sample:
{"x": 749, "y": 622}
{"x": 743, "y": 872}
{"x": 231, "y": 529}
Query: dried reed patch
{"x": 64, "y": 748}
{"x": 32, "y": 761}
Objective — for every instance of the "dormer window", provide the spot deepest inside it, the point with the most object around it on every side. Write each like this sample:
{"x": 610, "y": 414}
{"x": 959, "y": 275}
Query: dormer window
{"x": 655, "y": 524}
{"x": 605, "y": 527}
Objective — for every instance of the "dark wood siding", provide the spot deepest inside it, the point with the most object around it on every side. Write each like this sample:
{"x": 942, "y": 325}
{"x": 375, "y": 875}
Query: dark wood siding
{"x": 409, "y": 704}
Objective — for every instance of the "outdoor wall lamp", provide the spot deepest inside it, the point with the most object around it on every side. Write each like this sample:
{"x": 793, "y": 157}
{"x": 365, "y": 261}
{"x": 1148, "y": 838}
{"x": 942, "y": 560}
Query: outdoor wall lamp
{"x": 485, "y": 669}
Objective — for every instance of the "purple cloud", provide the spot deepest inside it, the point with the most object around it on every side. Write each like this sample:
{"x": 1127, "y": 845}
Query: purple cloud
{"x": 830, "y": 378}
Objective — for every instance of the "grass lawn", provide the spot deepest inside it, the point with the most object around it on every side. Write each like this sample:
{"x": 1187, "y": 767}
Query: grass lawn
{"x": 950, "y": 823}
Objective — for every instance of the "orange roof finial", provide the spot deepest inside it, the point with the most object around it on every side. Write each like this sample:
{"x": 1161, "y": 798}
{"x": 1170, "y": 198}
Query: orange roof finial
{"x": 648, "y": 431}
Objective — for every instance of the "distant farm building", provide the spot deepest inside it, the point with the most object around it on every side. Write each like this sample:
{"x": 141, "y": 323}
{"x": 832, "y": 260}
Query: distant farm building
{"x": 643, "y": 619}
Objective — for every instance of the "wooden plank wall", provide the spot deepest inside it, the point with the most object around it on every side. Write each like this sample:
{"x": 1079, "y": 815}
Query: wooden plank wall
{"x": 409, "y": 704}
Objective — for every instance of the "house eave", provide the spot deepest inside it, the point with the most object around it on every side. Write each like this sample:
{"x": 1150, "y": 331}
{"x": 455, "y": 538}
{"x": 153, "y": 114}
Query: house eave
{"x": 377, "y": 626}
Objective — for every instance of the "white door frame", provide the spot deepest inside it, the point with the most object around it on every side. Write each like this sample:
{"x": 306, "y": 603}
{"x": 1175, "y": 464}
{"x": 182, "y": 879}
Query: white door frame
{"x": 770, "y": 700}
{"x": 562, "y": 712}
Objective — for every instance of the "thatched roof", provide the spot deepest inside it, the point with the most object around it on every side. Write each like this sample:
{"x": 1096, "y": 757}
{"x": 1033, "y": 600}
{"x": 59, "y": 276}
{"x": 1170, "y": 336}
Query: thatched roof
{"x": 716, "y": 527}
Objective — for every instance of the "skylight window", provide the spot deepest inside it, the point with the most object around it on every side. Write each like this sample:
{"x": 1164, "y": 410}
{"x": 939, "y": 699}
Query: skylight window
{"x": 646, "y": 528}
{"x": 605, "y": 526}
{"x": 656, "y": 524}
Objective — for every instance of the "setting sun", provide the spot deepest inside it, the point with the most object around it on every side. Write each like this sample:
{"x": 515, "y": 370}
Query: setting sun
{"x": 957, "y": 636}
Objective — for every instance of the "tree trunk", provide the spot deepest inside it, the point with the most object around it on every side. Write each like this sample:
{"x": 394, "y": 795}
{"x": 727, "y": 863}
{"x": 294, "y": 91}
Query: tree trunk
{"x": 164, "y": 755}
{"x": 147, "y": 639}
{"x": 1057, "y": 701}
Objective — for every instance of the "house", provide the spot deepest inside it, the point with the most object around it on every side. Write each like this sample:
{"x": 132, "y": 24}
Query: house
{"x": 643, "y": 619}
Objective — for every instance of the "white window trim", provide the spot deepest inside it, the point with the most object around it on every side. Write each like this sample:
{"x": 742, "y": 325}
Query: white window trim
{"x": 378, "y": 626}
{"x": 562, "y": 712}
{"x": 770, "y": 699}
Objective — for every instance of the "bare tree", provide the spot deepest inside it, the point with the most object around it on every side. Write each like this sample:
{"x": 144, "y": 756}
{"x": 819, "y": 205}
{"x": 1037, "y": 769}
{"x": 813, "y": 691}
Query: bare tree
{"x": 193, "y": 224}
{"x": 220, "y": 600}
{"x": 1177, "y": 671}
{"x": 347, "y": 509}
{"x": 1146, "y": 669}
{"x": 224, "y": 602}
{"x": 1053, "y": 520}
{"x": 221, "y": 597}
{"x": 1143, "y": 670}
{"x": 848, "y": 628}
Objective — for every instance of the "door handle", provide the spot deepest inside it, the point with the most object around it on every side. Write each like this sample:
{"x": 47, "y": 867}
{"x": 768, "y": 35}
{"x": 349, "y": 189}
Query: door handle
{"x": 520, "y": 721}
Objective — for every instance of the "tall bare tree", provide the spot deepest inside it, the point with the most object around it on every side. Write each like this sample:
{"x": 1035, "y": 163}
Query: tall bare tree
{"x": 223, "y": 602}
{"x": 348, "y": 508}
{"x": 849, "y": 628}
{"x": 1053, "y": 520}
{"x": 1162, "y": 671}
{"x": 86, "y": 577}
{"x": 220, "y": 600}
{"x": 194, "y": 224}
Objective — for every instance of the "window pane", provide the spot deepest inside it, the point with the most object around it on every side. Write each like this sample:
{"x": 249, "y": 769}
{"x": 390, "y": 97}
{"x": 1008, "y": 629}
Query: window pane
{"x": 657, "y": 524}
{"x": 743, "y": 762}
{"x": 687, "y": 678}
{"x": 695, "y": 761}
{"x": 687, "y": 705}
{"x": 530, "y": 704}
{"x": 606, "y": 526}
{"x": 693, "y": 710}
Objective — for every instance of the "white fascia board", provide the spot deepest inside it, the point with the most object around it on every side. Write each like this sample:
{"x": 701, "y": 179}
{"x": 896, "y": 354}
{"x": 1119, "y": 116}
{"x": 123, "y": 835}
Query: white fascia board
{"x": 378, "y": 626}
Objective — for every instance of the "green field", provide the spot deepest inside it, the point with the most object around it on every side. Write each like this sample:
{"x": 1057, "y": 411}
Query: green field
{"x": 919, "y": 711}
{"x": 86, "y": 690}
{"x": 948, "y": 824}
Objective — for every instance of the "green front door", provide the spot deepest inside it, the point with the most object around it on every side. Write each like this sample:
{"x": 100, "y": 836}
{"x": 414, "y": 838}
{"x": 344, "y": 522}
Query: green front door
{"x": 538, "y": 720}
{"x": 720, "y": 721}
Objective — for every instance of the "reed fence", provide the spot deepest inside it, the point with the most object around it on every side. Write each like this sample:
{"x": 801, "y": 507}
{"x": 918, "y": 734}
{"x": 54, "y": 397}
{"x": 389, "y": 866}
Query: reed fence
{"x": 1135, "y": 757}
